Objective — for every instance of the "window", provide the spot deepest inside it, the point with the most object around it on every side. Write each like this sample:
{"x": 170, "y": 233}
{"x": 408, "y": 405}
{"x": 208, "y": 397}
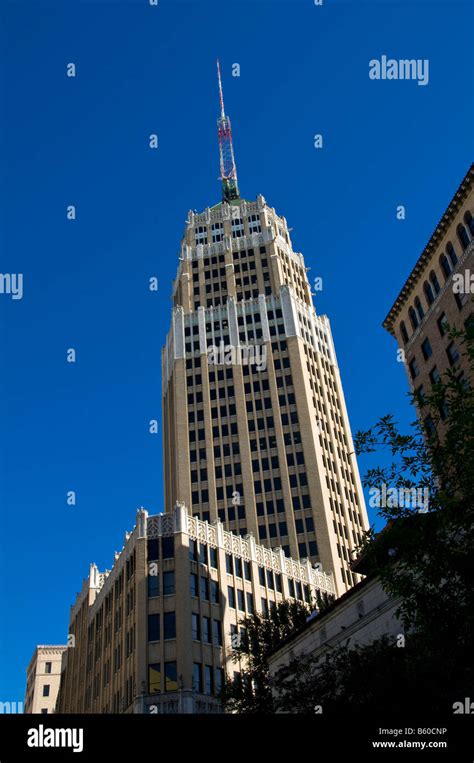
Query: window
{"x": 154, "y": 627}
{"x": 463, "y": 236}
{"x": 197, "y": 677}
{"x": 204, "y": 589}
{"x": 240, "y": 598}
{"x": 206, "y": 630}
{"x": 413, "y": 318}
{"x": 214, "y": 592}
{"x": 445, "y": 266}
{"x": 419, "y": 308}
{"x": 414, "y": 370}
{"x": 44, "y": 711}
{"x": 228, "y": 564}
{"x": 426, "y": 349}
{"x": 171, "y": 676}
{"x": 193, "y": 584}
{"x": 219, "y": 680}
{"x": 169, "y": 625}
{"x": 213, "y": 557}
{"x": 46, "y": 690}
{"x": 435, "y": 282}
{"x": 434, "y": 375}
{"x": 217, "y": 632}
{"x": 47, "y": 667}
{"x": 442, "y": 324}
{"x": 452, "y": 353}
{"x": 231, "y": 597}
{"x": 195, "y": 627}
{"x": 193, "y": 555}
{"x": 217, "y": 232}
{"x": 469, "y": 220}
{"x": 153, "y": 585}
{"x": 403, "y": 332}
{"x": 461, "y": 299}
{"x": 208, "y": 682}
{"x": 428, "y": 290}
{"x": 167, "y": 547}
{"x": 451, "y": 254}
{"x": 237, "y": 228}
{"x": 254, "y": 224}
{"x": 250, "y": 608}
{"x": 154, "y": 678}
{"x": 153, "y": 550}
{"x": 201, "y": 235}
{"x": 168, "y": 583}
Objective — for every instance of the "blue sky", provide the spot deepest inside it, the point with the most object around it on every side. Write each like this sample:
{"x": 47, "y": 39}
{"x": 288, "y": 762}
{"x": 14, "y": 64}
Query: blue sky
{"x": 84, "y": 141}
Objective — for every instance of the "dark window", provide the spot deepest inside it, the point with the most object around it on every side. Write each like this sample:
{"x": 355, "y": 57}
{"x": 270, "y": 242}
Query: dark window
{"x": 46, "y": 690}
{"x": 193, "y": 584}
{"x": 214, "y": 592}
{"x": 404, "y": 332}
{"x": 171, "y": 676}
{"x": 153, "y": 585}
{"x": 153, "y": 627}
{"x": 195, "y": 627}
{"x": 414, "y": 370}
{"x": 204, "y": 589}
{"x": 169, "y": 625}
{"x": 452, "y": 353}
{"x": 442, "y": 324}
{"x": 426, "y": 349}
{"x": 154, "y": 678}
{"x": 168, "y": 583}
{"x": 167, "y": 547}
{"x": 197, "y": 677}
{"x": 208, "y": 682}
{"x": 153, "y": 549}
{"x": 217, "y": 632}
{"x": 47, "y": 667}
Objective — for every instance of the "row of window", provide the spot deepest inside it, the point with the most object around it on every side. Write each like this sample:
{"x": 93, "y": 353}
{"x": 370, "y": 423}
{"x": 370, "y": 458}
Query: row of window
{"x": 431, "y": 288}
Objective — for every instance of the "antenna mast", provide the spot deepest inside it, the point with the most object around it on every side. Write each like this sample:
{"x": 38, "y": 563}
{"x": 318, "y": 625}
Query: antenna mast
{"x": 230, "y": 189}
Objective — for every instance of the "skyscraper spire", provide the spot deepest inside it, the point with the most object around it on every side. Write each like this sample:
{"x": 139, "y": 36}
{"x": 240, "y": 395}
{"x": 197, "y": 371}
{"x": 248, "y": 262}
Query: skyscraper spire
{"x": 230, "y": 189}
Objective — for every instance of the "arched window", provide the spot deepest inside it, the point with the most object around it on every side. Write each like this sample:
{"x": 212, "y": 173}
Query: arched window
{"x": 463, "y": 235}
{"x": 469, "y": 220}
{"x": 413, "y": 318}
{"x": 435, "y": 282}
{"x": 427, "y": 288}
{"x": 404, "y": 332}
{"x": 451, "y": 254}
{"x": 445, "y": 266}
{"x": 419, "y": 308}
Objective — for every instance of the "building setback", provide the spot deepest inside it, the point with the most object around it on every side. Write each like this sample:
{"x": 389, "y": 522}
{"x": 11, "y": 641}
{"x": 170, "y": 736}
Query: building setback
{"x": 43, "y": 676}
{"x": 437, "y": 294}
{"x": 156, "y": 633}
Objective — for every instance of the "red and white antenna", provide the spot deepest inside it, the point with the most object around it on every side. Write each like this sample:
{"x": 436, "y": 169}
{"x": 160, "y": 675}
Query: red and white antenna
{"x": 230, "y": 189}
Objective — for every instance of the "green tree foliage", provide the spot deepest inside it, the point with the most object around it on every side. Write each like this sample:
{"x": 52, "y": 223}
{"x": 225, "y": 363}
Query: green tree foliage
{"x": 424, "y": 558}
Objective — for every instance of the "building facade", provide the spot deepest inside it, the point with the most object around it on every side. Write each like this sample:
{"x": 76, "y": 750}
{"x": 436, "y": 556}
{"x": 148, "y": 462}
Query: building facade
{"x": 256, "y": 431}
{"x": 43, "y": 676}
{"x": 360, "y": 617}
{"x": 438, "y": 295}
{"x": 157, "y": 632}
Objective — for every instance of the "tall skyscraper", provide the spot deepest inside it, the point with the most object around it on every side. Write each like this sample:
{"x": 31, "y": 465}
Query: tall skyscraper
{"x": 256, "y": 431}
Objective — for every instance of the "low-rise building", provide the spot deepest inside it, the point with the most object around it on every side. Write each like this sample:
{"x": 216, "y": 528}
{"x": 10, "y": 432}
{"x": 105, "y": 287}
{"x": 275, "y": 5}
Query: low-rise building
{"x": 43, "y": 678}
{"x": 156, "y": 633}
